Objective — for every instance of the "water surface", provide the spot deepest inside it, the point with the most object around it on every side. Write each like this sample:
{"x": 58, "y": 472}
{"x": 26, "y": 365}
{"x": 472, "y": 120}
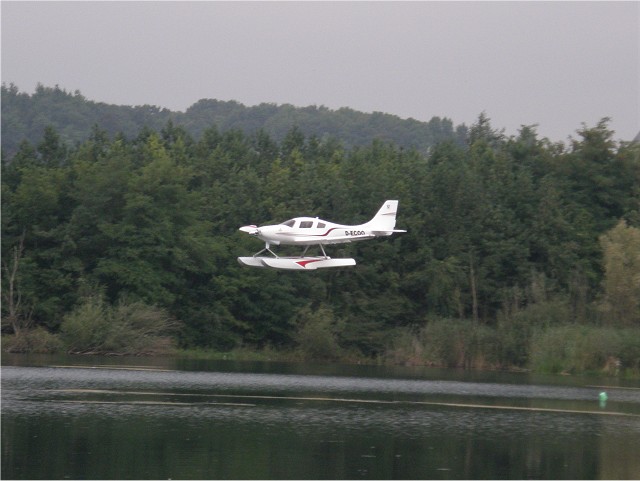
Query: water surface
{"x": 103, "y": 418}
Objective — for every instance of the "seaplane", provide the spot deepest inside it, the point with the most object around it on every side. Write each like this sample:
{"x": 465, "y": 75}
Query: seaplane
{"x": 312, "y": 231}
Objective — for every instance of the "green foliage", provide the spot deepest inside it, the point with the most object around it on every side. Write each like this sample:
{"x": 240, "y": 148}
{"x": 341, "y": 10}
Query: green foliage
{"x": 573, "y": 349}
{"x": 317, "y": 334}
{"x": 25, "y": 117}
{"x": 502, "y": 237}
{"x": 446, "y": 343}
{"x": 95, "y": 327}
{"x": 629, "y": 350}
{"x": 37, "y": 340}
{"x": 567, "y": 349}
{"x": 621, "y": 246}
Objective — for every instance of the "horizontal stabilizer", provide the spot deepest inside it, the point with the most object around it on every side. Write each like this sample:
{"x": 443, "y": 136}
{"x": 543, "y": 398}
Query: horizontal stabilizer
{"x": 296, "y": 263}
{"x": 380, "y": 233}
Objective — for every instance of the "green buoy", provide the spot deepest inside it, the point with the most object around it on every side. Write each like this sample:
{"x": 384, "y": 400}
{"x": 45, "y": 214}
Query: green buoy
{"x": 602, "y": 397}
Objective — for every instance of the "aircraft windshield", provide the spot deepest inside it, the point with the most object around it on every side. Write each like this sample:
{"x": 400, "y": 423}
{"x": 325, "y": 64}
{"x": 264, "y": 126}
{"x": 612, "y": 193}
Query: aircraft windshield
{"x": 289, "y": 223}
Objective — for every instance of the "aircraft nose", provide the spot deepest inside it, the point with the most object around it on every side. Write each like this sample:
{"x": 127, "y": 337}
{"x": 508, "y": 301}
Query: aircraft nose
{"x": 267, "y": 230}
{"x": 250, "y": 229}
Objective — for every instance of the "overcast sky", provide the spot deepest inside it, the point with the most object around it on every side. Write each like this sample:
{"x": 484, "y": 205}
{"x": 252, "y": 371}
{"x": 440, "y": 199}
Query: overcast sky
{"x": 555, "y": 64}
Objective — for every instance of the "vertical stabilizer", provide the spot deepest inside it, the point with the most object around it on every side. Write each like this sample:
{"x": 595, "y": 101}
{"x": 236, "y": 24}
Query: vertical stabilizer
{"x": 385, "y": 219}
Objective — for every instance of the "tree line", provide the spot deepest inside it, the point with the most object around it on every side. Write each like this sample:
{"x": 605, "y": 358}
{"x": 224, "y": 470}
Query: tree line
{"x": 25, "y": 116}
{"x": 510, "y": 239}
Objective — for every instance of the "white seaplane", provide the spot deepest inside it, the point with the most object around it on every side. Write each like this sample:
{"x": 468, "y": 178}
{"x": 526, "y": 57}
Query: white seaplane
{"x": 311, "y": 231}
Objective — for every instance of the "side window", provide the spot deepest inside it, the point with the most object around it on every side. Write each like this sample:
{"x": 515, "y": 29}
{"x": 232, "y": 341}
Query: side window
{"x": 306, "y": 224}
{"x": 321, "y": 225}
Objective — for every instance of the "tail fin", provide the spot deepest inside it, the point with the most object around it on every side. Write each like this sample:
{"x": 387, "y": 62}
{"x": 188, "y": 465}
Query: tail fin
{"x": 385, "y": 219}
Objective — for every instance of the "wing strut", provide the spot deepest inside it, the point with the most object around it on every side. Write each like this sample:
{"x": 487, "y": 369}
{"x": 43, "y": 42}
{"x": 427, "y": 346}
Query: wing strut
{"x": 266, "y": 248}
{"x": 304, "y": 252}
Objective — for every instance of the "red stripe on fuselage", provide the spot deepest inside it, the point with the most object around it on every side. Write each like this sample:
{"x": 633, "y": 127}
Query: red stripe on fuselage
{"x": 326, "y": 233}
{"x": 298, "y": 234}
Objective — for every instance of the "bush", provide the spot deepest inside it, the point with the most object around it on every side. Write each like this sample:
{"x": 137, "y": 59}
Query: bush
{"x": 405, "y": 348}
{"x": 96, "y": 327}
{"x": 459, "y": 343}
{"x": 37, "y": 340}
{"x": 515, "y": 329}
{"x": 446, "y": 343}
{"x": 574, "y": 349}
{"x": 548, "y": 350}
{"x": 317, "y": 334}
{"x": 629, "y": 351}
{"x": 442, "y": 343}
{"x": 514, "y": 338}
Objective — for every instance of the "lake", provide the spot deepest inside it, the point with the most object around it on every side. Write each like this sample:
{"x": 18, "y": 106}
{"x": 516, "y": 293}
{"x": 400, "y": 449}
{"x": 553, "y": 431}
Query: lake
{"x": 159, "y": 418}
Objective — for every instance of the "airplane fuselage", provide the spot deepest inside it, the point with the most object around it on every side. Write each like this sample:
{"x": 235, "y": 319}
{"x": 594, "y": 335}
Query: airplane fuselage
{"x": 313, "y": 231}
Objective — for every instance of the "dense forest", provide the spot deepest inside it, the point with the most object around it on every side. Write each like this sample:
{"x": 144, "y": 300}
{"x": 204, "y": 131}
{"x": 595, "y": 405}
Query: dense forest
{"x": 25, "y": 116}
{"x": 519, "y": 252}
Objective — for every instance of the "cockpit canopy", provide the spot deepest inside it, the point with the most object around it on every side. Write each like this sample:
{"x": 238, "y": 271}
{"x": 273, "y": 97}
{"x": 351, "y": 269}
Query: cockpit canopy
{"x": 305, "y": 223}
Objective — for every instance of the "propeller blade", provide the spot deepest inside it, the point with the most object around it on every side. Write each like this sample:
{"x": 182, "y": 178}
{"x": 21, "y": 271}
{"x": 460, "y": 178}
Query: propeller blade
{"x": 250, "y": 229}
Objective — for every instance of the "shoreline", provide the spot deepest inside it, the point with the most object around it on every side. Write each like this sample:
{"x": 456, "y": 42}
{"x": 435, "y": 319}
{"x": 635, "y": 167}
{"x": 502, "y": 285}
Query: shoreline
{"x": 293, "y": 357}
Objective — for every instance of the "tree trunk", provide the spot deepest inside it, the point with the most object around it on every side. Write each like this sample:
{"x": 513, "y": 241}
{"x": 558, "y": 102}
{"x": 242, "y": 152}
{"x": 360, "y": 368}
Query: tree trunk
{"x": 12, "y": 296}
{"x": 474, "y": 291}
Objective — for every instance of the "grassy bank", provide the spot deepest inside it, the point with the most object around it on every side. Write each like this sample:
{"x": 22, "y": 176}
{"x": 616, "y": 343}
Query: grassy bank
{"x": 238, "y": 354}
{"x": 534, "y": 339}
{"x": 564, "y": 349}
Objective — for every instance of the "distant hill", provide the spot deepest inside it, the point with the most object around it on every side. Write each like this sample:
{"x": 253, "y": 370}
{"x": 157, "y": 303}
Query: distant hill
{"x": 25, "y": 116}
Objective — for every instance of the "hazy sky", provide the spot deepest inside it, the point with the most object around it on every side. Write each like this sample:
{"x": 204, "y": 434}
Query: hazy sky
{"x": 555, "y": 64}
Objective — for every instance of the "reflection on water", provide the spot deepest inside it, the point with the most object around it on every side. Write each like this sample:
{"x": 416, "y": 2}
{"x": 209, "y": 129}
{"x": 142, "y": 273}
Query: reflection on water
{"x": 160, "y": 420}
